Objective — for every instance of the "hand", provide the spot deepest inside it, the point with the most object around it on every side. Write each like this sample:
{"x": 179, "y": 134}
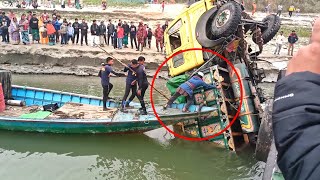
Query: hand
{"x": 139, "y": 92}
{"x": 307, "y": 59}
{"x": 133, "y": 83}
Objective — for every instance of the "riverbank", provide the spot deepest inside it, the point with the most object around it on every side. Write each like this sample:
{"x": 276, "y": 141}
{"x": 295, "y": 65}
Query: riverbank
{"x": 86, "y": 60}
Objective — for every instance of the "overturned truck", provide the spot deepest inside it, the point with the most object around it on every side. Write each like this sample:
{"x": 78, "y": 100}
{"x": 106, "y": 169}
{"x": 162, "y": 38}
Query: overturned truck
{"x": 223, "y": 27}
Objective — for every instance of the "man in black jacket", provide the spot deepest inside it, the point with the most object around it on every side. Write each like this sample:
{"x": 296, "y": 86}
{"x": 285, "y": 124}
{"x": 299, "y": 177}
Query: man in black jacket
{"x": 102, "y": 31}
{"x": 296, "y": 114}
{"x": 133, "y": 35}
{"x": 111, "y": 29}
{"x": 142, "y": 84}
{"x": 94, "y": 33}
{"x": 34, "y": 26}
{"x": 76, "y": 27}
{"x": 5, "y": 23}
{"x": 126, "y": 29}
{"x": 84, "y": 32}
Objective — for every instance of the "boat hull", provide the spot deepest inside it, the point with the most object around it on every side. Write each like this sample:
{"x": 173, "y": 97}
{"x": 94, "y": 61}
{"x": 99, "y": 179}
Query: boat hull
{"x": 78, "y": 127}
{"x": 121, "y": 122}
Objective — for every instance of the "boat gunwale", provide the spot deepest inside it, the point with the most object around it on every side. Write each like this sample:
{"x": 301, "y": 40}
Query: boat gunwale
{"x": 107, "y": 121}
{"x": 55, "y": 91}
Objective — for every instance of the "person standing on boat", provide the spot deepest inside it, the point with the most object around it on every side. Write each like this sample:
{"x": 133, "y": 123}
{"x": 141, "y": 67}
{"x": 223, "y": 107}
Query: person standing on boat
{"x": 142, "y": 84}
{"x": 186, "y": 89}
{"x": 131, "y": 83}
{"x": 104, "y": 75}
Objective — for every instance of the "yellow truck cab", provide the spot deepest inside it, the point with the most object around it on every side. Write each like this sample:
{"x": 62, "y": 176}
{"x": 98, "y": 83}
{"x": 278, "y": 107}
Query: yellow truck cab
{"x": 180, "y": 35}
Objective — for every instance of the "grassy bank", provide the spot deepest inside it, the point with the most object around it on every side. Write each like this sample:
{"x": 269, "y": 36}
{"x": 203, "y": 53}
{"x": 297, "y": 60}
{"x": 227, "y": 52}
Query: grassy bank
{"x": 301, "y": 31}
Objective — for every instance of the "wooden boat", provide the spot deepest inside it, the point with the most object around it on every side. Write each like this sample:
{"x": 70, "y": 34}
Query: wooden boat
{"x": 115, "y": 122}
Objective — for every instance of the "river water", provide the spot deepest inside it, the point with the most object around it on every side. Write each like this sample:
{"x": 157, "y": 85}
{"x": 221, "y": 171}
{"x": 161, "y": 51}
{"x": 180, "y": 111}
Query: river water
{"x": 133, "y": 156}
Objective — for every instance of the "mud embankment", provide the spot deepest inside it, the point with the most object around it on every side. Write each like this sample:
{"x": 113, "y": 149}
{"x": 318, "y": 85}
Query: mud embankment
{"x": 70, "y": 60}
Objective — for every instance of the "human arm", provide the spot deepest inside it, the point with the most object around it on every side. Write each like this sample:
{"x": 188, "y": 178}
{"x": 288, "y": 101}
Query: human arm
{"x": 126, "y": 69}
{"x": 207, "y": 86}
{"x": 296, "y": 116}
{"x": 115, "y": 73}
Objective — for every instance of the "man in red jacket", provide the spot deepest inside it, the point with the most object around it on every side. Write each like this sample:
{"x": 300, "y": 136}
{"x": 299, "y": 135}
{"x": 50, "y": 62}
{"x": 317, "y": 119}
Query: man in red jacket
{"x": 159, "y": 37}
{"x": 141, "y": 36}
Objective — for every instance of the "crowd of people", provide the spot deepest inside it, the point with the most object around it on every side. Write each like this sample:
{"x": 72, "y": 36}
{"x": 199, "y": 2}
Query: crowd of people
{"x": 52, "y": 29}
{"x": 268, "y": 9}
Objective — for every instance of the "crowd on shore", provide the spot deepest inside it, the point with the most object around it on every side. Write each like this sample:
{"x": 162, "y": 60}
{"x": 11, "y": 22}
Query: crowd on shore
{"x": 52, "y": 29}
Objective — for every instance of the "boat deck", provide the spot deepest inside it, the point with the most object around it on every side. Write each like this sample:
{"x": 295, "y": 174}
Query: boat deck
{"x": 88, "y": 112}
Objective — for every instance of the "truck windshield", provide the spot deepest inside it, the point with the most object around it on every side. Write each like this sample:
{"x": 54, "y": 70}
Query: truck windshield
{"x": 174, "y": 35}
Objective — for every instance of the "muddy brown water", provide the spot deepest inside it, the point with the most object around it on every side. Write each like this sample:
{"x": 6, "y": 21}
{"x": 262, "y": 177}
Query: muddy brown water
{"x": 154, "y": 157}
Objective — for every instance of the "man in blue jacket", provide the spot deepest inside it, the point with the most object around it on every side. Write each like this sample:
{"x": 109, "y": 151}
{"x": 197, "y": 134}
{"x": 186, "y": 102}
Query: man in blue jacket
{"x": 296, "y": 114}
{"x": 131, "y": 83}
{"x": 186, "y": 89}
{"x": 104, "y": 75}
{"x": 292, "y": 39}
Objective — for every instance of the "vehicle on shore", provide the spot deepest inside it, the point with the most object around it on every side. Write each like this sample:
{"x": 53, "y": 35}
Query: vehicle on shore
{"x": 222, "y": 26}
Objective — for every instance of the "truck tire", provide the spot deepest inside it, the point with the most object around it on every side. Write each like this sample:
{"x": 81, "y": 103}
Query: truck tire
{"x": 274, "y": 23}
{"x": 226, "y": 20}
{"x": 203, "y": 27}
{"x": 265, "y": 134}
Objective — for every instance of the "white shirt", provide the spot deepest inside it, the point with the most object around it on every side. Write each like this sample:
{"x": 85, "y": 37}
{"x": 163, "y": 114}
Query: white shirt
{"x": 280, "y": 39}
{"x": 280, "y": 7}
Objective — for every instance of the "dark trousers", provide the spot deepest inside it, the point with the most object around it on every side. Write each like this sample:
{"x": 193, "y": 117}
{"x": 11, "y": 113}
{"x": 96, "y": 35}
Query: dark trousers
{"x": 70, "y": 37}
{"x": 290, "y": 13}
{"x": 105, "y": 38}
{"x": 64, "y": 38}
{"x": 5, "y": 36}
{"x": 149, "y": 42}
{"x": 57, "y": 36}
{"x": 141, "y": 97}
{"x": 115, "y": 42}
{"x": 75, "y": 35}
{"x": 106, "y": 91}
{"x": 176, "y": 95}
{"x": 85, "y": 36}
{"x": 133, "y": 39}
{"x": 278, "y": 13}
{"x": 140, "y": 47}
{"x": 109, "y": 36}
{"x": 145, "y": 42}
{"x": 133, "y": 89}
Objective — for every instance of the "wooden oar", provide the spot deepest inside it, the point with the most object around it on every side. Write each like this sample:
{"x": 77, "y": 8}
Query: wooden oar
{"x": 131, "y": 71}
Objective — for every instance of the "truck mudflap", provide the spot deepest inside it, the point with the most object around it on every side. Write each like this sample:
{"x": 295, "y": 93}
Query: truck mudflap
{"x": 249, "y": 117}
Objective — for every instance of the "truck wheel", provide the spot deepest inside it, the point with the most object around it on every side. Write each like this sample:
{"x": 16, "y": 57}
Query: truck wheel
{"x": 274, "y": 24}
{"x": 203, "y": 27}
{"x": 226, "y": 20}
{"x": 265, "y": 133}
